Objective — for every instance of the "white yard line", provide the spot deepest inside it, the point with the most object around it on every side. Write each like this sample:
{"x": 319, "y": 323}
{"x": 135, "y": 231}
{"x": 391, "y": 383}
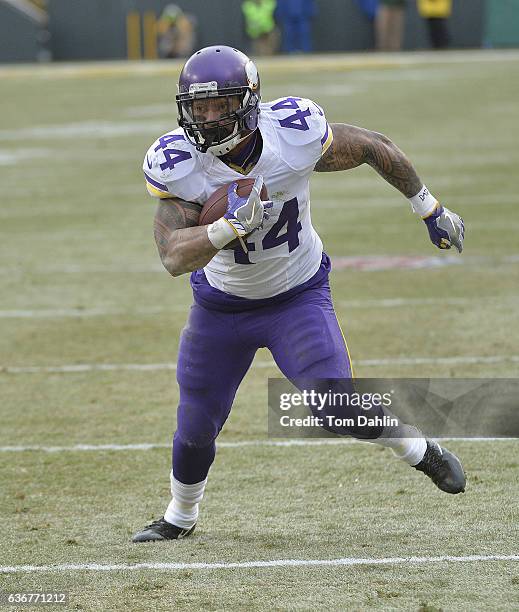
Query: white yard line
{"x": 54, "y": 313}
{"x": 57, "y": 313}
{"x": 442, "y": 301}
{"x": 97, "y": 367}
{"x": 360, "y": 262}
{"x": 346, "y": 561}
{"x": 145, "y": 446}
{"x": 89, "y": 130}
{"x": 404, "y": 361}
{"x": 67, "y": 268}
{"x": 150, "y": 367}
{"x": 11, "y": 158}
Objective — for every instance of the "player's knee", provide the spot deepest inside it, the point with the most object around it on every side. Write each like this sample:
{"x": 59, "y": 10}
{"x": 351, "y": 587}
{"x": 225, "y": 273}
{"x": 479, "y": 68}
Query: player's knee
{"x": 189, "y": 380}
{"x": 199, "y": 423}
{"x": 196, "y": 438}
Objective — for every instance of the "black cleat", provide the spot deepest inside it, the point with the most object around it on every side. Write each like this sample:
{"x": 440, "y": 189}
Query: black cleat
{"x": 161, "y": 530}
{"x": 443, "y": 468}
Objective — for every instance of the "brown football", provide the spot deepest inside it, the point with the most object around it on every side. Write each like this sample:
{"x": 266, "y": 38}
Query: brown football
{"x": 216, "y": 205}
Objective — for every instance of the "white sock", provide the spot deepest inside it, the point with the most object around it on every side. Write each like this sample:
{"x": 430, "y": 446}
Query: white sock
{"x": 182, "y": 510}
{"x": 408, "y": 442}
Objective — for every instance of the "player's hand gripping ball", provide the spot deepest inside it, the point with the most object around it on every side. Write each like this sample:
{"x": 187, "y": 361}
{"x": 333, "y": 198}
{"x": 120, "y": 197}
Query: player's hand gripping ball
{"x": 243, "y": 203}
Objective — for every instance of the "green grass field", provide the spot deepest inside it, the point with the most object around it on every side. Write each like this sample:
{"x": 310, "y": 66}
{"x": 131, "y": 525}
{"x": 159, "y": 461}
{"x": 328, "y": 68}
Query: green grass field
{"x": 82, "y": 290}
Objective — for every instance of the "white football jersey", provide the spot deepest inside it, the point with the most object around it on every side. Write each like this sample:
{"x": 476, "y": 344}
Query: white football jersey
{"x": 287, "y": 251}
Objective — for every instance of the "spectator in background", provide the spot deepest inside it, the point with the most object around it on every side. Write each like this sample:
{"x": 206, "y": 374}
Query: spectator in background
{"x": 389, "y": 25}
{"x": 369, "y": 8}
{"x": 295, "y": 17}
{"x": 176, "y": 32}
{"x": 436, "y": 14}
{"x": 261, "y": 26}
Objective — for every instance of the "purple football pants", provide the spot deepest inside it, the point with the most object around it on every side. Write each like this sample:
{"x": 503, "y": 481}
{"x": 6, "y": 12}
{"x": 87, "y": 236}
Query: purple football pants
{"x": 216, "y": 350}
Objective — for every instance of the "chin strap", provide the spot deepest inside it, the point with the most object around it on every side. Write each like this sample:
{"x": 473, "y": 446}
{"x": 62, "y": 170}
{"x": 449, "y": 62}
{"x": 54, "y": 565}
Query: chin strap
{"x": 226, "y": 147}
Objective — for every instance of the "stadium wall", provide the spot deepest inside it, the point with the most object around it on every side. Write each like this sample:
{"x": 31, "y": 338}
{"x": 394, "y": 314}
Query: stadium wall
{"x": 96, "y": 29}
{"x": 502, "y": 23}
{"x": 22, "y": 32}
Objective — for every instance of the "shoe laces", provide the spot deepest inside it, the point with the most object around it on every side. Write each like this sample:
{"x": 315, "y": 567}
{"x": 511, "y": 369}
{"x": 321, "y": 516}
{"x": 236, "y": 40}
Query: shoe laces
{"x": 157, "y": 523}
{"x": 434, "y": 461}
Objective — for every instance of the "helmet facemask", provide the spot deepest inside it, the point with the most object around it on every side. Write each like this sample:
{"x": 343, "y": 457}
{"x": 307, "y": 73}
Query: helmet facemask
{"x": 222, "y": 135}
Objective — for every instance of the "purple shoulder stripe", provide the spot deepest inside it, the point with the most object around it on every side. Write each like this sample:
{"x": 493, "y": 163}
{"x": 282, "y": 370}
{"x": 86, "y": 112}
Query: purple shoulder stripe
{"x": 325, "y": 137}
{"x": 155, "y": 183}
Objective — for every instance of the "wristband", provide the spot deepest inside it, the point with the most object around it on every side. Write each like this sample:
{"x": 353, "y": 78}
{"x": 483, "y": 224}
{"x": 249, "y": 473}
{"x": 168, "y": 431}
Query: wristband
{"x": 423, "y": 203}
{"x": 220, "y": 233}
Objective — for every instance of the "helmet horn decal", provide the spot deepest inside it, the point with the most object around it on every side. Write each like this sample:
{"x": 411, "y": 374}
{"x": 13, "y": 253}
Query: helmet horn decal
{"x": 252, "y": 75}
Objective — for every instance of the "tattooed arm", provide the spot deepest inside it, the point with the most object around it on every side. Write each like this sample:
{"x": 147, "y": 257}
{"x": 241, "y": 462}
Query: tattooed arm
{"x": 353, "y": 146}
{"x": 183, "y": 245}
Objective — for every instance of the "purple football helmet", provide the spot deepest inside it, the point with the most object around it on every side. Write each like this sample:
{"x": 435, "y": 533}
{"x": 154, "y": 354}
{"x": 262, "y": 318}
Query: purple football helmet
{"x": 219, "y": 72}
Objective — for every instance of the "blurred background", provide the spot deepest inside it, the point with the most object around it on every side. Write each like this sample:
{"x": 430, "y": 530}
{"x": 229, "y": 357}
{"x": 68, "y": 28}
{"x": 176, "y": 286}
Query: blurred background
{"x": 60, "y": 30}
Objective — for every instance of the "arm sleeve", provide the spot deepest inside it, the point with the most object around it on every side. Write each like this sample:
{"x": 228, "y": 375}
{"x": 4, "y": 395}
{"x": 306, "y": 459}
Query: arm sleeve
{"x": 155, "y": 184}
{"x": 322, "y": 127}
{"x": 303, "y": 130}
{"x": 171, "y": 169}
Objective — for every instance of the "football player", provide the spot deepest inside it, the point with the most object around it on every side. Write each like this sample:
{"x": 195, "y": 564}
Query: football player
{"x": 273, "y": 293}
